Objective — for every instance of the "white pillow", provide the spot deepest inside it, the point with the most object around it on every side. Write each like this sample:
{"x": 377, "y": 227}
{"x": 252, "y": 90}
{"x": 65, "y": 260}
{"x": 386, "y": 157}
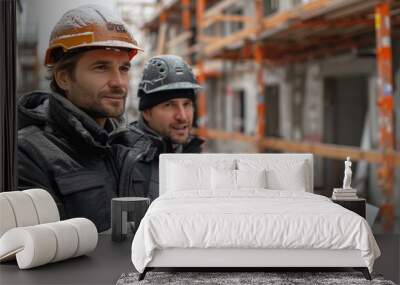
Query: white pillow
{"x": 281, "y": 174}
{"x": 215, "y": 163}
{"x": 223, "y": 179}
{"x": 294, "y": 181}
{"x": 230, "y": 180}
{"x": 251, "y": 178}
{"x": 181, "y": 177}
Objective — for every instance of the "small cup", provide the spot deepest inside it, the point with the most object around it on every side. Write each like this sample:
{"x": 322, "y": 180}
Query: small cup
{"x": 126, "y": 214}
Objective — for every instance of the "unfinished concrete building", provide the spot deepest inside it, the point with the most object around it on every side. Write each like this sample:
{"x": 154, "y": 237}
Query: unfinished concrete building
{"x": 296, "y": 76}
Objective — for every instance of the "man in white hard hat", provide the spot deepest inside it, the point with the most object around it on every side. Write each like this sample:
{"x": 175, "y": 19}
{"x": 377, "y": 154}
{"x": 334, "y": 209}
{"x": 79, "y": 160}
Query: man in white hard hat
{"x": 63, "y": 136}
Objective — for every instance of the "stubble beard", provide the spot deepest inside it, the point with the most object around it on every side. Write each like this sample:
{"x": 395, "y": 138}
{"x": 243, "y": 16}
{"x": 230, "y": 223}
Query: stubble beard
{"x": 180, "y": 140}
{"x": 99, "y": 112}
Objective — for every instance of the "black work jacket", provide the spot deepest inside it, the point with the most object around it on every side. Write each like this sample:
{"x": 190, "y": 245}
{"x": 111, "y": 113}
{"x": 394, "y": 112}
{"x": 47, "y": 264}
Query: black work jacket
{"x": 63, "y": 150}
{"x": 139, "y": 148}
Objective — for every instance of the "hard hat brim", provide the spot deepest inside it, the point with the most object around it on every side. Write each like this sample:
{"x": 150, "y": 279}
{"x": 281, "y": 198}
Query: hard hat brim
{"x": 83, "y": 39}
{"x": 111, "y": 44}
{"x": 175, "y": 86}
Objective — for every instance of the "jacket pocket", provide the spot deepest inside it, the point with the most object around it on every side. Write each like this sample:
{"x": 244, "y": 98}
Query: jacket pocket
{"x": 133, "y": 180}
{"x": 139, "y": 181}
{"x": 79, "y": 181}
{"x": 83, "y": 194}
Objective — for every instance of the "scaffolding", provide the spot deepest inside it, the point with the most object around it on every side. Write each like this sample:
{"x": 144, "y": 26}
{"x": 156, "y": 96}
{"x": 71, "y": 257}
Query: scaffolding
{"x": 268, "y": 36}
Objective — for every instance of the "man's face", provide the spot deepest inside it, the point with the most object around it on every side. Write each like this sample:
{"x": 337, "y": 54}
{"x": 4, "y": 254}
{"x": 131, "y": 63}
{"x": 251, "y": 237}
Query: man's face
{"x": 172, "y": 119}
{"x": 100, "y": 83}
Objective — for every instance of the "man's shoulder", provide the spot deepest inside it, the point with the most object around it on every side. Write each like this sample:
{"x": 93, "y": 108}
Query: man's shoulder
{"x": 33, "y": 109}
{"x": 129, "y": 136}
{"x": 195, "y": 145}
{"x": 35, "y": 137}
{"x": 28, "y": 132}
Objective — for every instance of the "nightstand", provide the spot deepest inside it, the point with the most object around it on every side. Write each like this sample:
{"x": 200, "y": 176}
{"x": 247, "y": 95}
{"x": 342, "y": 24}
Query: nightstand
{"x": 356, "y": 205}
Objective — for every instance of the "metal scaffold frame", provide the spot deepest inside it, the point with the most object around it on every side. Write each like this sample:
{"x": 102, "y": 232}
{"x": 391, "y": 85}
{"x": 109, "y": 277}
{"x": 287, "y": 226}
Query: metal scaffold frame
{"x": 330, "y": 26}
{"x": 385, "y": 104}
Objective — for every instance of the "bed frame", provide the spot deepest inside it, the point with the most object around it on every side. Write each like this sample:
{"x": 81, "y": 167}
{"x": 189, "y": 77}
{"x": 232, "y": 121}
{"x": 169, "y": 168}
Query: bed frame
{"x": 241, "y": 259}
{"x": 251, "y": 258}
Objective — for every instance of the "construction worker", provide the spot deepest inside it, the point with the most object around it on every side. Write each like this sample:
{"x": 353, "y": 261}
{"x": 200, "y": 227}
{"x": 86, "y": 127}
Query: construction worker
{"x": 63, "y": 136}
{"x": 167, "y": 95}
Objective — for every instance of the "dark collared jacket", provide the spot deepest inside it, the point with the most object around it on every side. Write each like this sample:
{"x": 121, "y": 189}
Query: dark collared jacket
{"x": 138, "y": 156}
{"x": 63, "y": 150}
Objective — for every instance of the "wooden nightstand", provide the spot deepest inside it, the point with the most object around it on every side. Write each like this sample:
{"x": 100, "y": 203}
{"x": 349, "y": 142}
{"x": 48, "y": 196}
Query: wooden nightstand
{"x": 356, "y": 205}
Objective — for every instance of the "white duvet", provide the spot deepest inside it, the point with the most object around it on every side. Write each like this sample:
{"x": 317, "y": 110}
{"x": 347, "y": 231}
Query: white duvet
{"x": 254, "y": 218}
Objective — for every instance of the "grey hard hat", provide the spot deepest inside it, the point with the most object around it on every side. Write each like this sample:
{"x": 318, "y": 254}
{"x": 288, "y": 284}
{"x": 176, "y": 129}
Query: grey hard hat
{"x": 166, "y": 72}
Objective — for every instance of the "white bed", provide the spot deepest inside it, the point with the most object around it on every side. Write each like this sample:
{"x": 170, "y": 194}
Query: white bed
{"x": 247, "y": 210}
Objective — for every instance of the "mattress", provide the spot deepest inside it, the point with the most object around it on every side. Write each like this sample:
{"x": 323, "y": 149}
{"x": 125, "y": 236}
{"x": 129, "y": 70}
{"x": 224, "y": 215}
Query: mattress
{"x": 253, "y": 219}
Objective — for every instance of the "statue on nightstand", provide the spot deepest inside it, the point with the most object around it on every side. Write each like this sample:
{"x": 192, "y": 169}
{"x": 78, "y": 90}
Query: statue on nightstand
{"x": 347, "y": 174}
{"x": 345, "y": 193}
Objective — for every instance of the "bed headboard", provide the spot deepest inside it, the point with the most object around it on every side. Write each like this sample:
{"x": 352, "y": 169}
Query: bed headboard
{"x": 210, "y": 158}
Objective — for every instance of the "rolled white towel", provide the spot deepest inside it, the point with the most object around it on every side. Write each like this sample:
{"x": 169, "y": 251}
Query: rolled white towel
{"x": 87, "y": 235}
{"x": 7, "y": 218}
{"x": 67, "y": 240}
{"x": 32, "y": 246}
{"x": 26, "y": 208}
{"x": 45, "y": 206}
{"x": 23, "y": 208}
{"x": 40, "y": 244}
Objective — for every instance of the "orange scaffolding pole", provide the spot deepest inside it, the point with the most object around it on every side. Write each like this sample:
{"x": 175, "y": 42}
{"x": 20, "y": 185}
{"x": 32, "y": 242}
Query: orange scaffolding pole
{"x": 162, "y": 32}
{"x": 258, "y": 56}
{"x": 260, "y": 88}
{"x": 385, "y": 106}
{"x": 201, "y": 96}
{"x": 186, "y": 20}
{"x": 186, "y": 15}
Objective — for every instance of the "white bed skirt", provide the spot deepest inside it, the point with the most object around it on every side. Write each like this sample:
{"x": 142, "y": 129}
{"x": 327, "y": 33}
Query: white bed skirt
{"x": 193, "y": 257}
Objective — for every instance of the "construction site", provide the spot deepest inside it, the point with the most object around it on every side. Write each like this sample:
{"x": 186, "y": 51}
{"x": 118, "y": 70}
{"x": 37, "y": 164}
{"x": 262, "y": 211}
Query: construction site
{"x": 277, "y": 76}
{"x": 292, "y": 76}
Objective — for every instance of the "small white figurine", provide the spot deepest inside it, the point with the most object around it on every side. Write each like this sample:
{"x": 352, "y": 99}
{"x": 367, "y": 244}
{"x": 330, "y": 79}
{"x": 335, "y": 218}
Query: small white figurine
{"x": 347, "y": 174}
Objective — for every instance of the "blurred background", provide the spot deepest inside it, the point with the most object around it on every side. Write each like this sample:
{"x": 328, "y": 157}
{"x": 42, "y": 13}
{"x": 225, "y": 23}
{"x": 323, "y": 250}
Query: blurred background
{"x": 317, "y": 76}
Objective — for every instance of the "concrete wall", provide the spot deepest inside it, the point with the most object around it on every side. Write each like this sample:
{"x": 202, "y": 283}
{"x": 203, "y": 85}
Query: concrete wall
{"x": 278, "y": 76}
{"x": 243, "y": 78}
{"x": 311, "y": 97}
